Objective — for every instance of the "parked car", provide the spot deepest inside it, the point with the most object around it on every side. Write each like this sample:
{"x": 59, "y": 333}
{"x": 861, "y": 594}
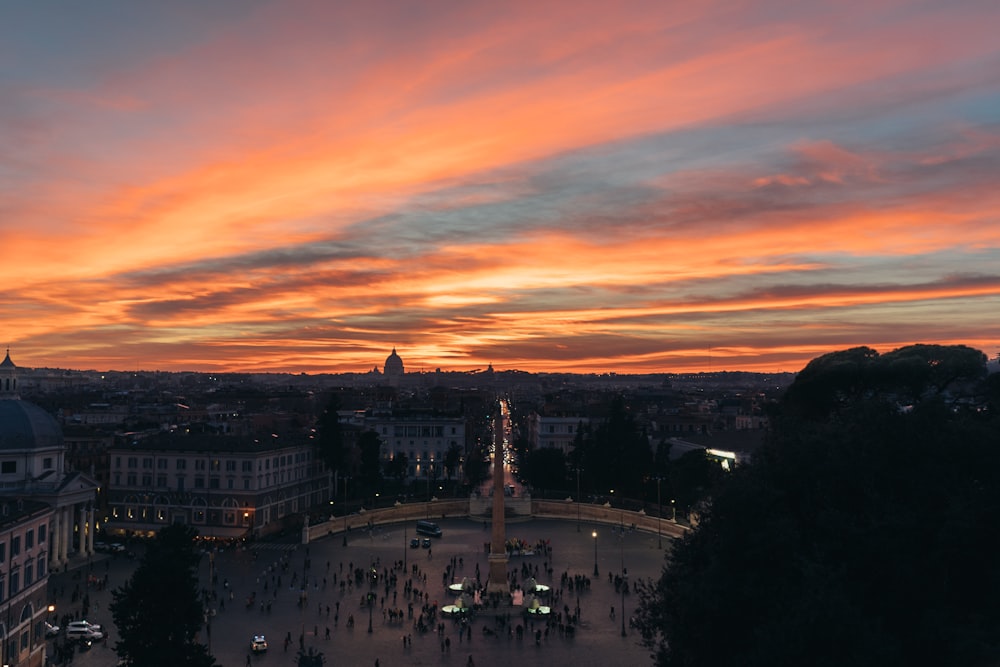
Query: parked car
{"x": 414, "y": 543}
{"x": 116, "y": 547}
{"x": 426, "y": 543}
{"x": 258, "y": 644}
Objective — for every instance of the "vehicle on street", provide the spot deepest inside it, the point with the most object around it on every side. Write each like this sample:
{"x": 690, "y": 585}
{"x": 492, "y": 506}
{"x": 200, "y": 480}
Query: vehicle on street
{"x": 258, "y": 644}
{"x": 51, "y": 630}
{"x": 414, "y": 543}
{"x": 428, "y": 528}
{"x": 84, "y": 631}
{"x": 426, "y": 543}
{"x": 116, "y": 548}
{"x": 84, "y": 623}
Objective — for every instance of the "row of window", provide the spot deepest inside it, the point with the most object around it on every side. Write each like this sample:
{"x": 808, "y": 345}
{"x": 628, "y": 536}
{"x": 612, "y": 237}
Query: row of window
{"x": 10, "y": 467}
{"x": 439, "y": 454}
{"x": 161, "y": 515}
{"x": 215, "y": 465}
{"x": 133, "y": 479}
{"x": 422, "y": 431}
{"x": 18, "y": 578}
{"x": 29, "y": 542}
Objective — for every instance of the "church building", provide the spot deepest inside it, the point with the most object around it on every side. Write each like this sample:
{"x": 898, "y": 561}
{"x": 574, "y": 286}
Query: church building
{"x": 33, "y": 467}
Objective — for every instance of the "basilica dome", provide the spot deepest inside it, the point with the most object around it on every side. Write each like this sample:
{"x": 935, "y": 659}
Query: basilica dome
{"x": 24, "y": 425}
{"x": 393, "y": 365}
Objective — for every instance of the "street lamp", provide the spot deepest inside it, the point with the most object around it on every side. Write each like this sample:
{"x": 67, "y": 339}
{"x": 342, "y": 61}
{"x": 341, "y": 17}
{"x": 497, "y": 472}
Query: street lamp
{"x": 659, "y": 515}
{"x": 404, "y": 547}
{"x": 673, "y": 511}
{"x": 594, "y": 535}
{"x": 578, "y": 499}
{"x": 371, "y": 603}
{"x": 624, "y": 578}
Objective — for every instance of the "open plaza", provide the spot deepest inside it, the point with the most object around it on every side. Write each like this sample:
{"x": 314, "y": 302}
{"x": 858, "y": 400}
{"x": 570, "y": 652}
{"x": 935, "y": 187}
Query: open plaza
{"x": 310, "y": 597}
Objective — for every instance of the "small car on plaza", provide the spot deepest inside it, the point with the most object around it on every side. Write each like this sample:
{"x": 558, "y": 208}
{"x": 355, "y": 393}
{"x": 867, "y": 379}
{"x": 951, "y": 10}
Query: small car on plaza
{"x": 258, "y": 644}
{"x": 426, "y": 543}
{"x": 414, "y": 543}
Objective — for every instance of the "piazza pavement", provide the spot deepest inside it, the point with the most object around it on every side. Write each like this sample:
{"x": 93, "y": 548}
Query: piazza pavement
{"x": 298, "y": 599}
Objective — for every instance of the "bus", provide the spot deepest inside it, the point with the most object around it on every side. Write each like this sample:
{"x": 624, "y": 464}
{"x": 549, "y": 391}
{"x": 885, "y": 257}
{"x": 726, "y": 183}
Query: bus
{"x": 428, "y": 528}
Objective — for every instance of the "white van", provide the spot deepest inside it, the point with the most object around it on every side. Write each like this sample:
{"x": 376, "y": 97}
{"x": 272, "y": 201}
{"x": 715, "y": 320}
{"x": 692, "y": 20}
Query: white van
{"x": 84, "y": 630}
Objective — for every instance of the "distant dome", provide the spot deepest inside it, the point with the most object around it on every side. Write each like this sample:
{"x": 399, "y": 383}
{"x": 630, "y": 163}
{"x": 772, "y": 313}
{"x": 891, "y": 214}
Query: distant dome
{"x": 393, "y": 365}
{"x": 24, "y": 425}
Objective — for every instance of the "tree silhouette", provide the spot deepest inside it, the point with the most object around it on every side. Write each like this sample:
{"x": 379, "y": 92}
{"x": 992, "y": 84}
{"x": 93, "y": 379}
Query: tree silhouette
{"x": 371, "y": 462}
{"x": 861, "y": 534}
{"x": 615, "y": 454}
{"x": 158, "y": 611}
{"x": 330, "y": 436}
{"x": 452, "y": 460}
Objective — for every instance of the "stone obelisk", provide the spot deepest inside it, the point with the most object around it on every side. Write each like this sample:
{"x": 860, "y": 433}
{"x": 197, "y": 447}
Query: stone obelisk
{"x": 497, "y": 582}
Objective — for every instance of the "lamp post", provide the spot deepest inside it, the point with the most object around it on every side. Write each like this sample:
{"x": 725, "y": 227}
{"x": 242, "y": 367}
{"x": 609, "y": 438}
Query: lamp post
{"x": 673, "y": 511}
{"x": 594, "y": 535}
{"x": 346, "y": 480}
{"x": 371, "y": 603}
{"x": 578, "y": 499}
{"x": 404, "y": 547}
{"x": 659, "y": 515}
{"x": 624, "y": 575}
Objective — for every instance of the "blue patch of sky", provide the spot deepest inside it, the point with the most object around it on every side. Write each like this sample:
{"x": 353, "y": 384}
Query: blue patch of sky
{"x": 71, "y": 44}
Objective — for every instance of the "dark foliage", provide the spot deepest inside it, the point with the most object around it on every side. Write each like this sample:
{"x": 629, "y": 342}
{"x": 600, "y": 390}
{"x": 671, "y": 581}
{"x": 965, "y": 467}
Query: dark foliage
{"x": 371, "y": 463}
{"x": 545, "y": 468}
{"x": 158, "y": 611}
{"x": 614, "y": 454}
{"x": 477, "y": 467}
{"x": 452, "y": 460}
{"x": 330, "y": 436}
{"x": 860, "y": 535}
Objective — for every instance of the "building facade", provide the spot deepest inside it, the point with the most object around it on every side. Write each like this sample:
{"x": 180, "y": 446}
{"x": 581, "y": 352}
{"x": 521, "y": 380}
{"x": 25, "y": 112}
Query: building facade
{"x": 33, "y": 467}
{"x": 225, "y": 487}
{"x": 425, "y": 440}
{"x": 24, "y": 573}
{"x": 557, "y": 432}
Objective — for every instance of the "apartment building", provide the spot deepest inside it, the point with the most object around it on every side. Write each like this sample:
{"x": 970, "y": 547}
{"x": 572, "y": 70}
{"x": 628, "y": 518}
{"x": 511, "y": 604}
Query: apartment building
{"x": 224, "y": 486}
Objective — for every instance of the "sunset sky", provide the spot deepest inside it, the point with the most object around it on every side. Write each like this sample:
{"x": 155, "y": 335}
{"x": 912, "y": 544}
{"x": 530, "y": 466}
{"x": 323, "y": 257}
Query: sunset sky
{"x": 663, "y": 186}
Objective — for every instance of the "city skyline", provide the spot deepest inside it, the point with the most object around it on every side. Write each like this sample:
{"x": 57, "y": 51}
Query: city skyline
{"x": 264, "y": 186}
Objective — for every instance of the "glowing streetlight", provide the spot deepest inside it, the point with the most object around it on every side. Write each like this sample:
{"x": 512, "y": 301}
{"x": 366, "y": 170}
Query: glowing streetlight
{"x": 594, "y": 535}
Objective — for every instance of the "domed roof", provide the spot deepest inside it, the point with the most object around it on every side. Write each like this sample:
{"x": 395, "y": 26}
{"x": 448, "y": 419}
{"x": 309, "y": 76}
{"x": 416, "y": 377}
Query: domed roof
{"x": 393, "y": 364}
{"x": 24, "y": 425}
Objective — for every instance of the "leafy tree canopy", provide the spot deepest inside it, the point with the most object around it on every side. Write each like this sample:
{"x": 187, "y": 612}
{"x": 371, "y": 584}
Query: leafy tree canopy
{"x": 614, "y": 454}
{"x": 545, "y": 468}
{"x": 371, "y": 463}
{"x": 330, "y": 436}
{"x": 862, "y": 538}
{"x": 837, "y": 381}
{"x": 158, "y": 611}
